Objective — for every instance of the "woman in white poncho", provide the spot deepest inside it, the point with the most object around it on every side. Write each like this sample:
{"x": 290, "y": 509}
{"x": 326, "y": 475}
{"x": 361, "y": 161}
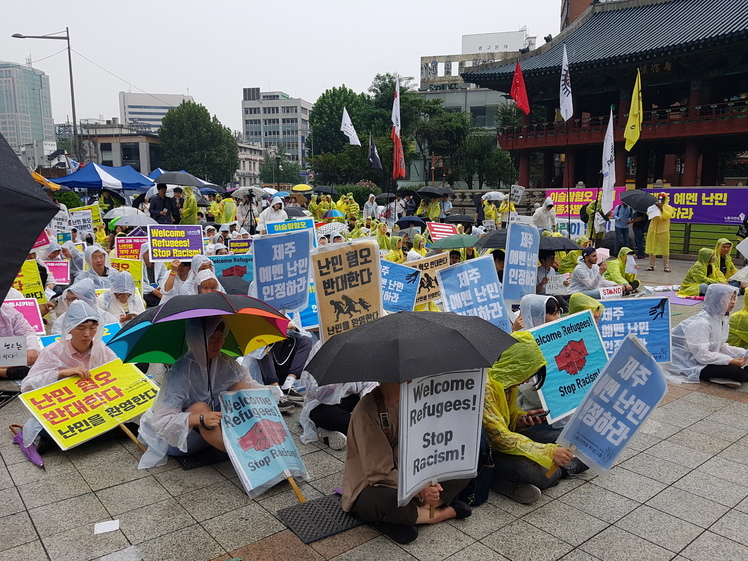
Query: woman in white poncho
{"x": 274, "y": 213}
{"x": 121, "y": 299}
{"x": 82, "y": 290}
{"x": 100, "y": 269}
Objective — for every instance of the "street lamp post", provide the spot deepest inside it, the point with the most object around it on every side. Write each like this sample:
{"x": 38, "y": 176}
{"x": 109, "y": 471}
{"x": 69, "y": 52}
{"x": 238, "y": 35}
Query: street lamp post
{"x": 66, "y": 37}
{"x": 278, "y": 165}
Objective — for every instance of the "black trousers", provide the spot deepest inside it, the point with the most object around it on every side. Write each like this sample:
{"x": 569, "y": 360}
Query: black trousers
{"x": 334, "y": 417}
{"x": 724, "y": 371}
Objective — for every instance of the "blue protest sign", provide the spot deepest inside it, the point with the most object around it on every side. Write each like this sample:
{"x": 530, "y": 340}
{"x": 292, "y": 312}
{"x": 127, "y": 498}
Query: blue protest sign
{"x": 575, "y": 354}
{"x": 257, "y": 440}
{"x": 238, "y": 265}
{"x": 472, "y": 289}
{"x": 624, "y": 395}
{"x": 521, "y": 263}
{"x": 282, "y": 269}
{"x": 309, "y": 316}
{"x": 292, "y": 226}
{"x": 109, "y": 331}
{"x": 399, "y": 286}
{"x": 647, "y": 318}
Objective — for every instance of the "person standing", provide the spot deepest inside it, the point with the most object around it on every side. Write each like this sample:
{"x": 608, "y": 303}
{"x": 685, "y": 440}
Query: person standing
{"x": 658, "y": 237}
{"x": 370, "y": 207}
{"x": 545, "y": 217}
{"x": 162, "y": 207}
{"x": 622, "y": 218}
{"x": 189, "y": 207}
{"x": 639, "y": 224}
{"x": 178, "y": 202}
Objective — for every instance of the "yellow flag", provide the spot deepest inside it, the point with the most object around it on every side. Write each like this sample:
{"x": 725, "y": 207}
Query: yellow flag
{"x": 634, "y": 124}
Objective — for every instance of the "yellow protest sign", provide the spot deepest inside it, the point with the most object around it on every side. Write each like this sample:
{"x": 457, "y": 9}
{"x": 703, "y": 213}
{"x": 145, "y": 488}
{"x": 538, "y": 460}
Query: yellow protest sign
{"x": 132, "y": 266}
{"x": 95, "y": 213}
{"x": 29, "y": 282}
{"x": 73, "y": 410}
{"x": 429, "y": 289}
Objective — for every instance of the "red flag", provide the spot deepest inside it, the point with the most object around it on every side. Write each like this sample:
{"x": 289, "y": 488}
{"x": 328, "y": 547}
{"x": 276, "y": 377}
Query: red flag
{"x": 518, "y": 91}
{"x": 398, "y": 157}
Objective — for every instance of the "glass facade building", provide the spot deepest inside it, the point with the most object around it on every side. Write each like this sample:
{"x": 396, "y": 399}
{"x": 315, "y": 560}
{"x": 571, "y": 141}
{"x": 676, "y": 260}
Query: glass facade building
{"x": 25, "y": 105}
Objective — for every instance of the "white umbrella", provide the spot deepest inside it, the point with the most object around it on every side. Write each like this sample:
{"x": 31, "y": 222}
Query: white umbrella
{"x": 136, "y": 220}
{"x": 270, "y": 190}
{"x": 121, "y": 211}
{"x": 493, "y": 196}
{"x": 332, "y": 228}
{"x": 241, "y": 191}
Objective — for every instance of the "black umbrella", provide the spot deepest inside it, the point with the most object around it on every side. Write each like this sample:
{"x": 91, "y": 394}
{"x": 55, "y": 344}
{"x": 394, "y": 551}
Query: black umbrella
{"x": 389, "y": 196}
{"x": 554, "y": 243}
{"x": 234, "y": 285}
{"x": 24, "y": 212}
{"x": 460, "y": 218}
{"x": 408, "y": 221}
{"x": 405, "y": 192}
{"x": 494, "y": 240}
{"x": 410, "y": 232}
{"x": 638, "y": 199}
{"x": 179, "y": 178}
{"x": 202, "y": 201}
{"x": 325, "y": 190}
{"x": 401, "y": 352}
{"x": 446, "y": 190}
{"x": 115, "y": 195}
{"x": 295, "y": 211}
{"x": 431, "y": 192}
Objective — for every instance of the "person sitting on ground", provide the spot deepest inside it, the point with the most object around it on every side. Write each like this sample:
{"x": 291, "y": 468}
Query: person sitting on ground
{"x": 546, "y": 270}
{"x": 283, "y": 362}
{"x": 499, "y": 256}
{"x": 395, "y": 254}
{"x": 14, "y": 324}
{"x": 220, "y": 249}
{"x": 71, "y": 252}
{"x": 700, "y": 350}
{"x": 154, "y": 277}
{"x": 571, "y": 259}
{"x": 723, "y": 262}
{"x": 738, "y": 336}
{"x": 701, "y": 274}
{"x": 121, "y": 299}
{"x": 370, "y": 478}
{"x": 206, "y": 281}
{"x": 587, "y": 276}
{"x": 178, "y": 276}
{"x": 100, "y": 270}
{"x": 419, "y": 249}
{"x": 86, "y": 291}
{"x": 454, "y": 257}
{"x": 580, "y": 302}
{"x": 198, "y": 263}
{"x": 616, "y": 272}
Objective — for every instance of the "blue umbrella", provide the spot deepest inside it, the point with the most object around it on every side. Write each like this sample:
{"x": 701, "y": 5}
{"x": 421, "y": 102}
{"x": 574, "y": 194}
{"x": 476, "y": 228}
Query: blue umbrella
{"x": 208, "y": 191}
{"x": 333, "y": 213}
{"x": 282, "y": 194}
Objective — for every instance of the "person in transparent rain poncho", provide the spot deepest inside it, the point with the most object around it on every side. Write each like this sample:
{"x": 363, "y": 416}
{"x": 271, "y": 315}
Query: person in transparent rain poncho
{"x": 82, "y": 290}
{"x": 186, "y": 417}
{"x": 199, "y": 263}
{"x": 121, "y": 299}
{"x": 100, "y": 269}
{"x": 75, "y": 255}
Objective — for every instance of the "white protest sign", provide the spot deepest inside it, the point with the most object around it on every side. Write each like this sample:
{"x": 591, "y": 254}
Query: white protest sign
{"x": 81, "y": 219}
{"x": 631, "y": 266}
{"x": 440, "y": 424}
{"x": 742, "y": 248}
{"x": 609, "y": 292}
{"x": 12, "y": 351}
{"x": 600, "y": 223}
{"x": 489, "y": 225}
{"x": 515, "y": 193}
{"x": 519, "y": 219}
{"x": 555, "y": 285}
{"x": 653, "y": 212}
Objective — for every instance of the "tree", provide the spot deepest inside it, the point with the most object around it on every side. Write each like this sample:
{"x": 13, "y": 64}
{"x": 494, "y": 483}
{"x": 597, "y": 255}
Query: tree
{"x": 479, "y": 155}
{"x": 442, "y": 134}
{"x": 283, "y": 171}
{"x": 191, "y": 140}
{"x": 327, "y": 114}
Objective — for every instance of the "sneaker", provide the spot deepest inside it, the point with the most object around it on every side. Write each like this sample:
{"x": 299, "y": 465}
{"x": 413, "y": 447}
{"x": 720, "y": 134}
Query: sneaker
{"x": 725, "y": 382}
{"x": 334, "y": 439}
{"x": 521, "y": 492}
{"x": 285, "y": 406}
{"x": 294, "y": 397}
{"x": 397, "y": 532}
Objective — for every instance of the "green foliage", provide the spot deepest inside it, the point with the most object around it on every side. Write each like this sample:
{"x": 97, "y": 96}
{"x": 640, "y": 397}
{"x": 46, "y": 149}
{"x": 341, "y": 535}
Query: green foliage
{"x": 326, "y": 117}
{"x": 360, "y": 191}
{"x": 69, "y": 198}
{"x": 479, "y": 155}
{"x": 190, "y": 139}
{"x": 287, "y": 172}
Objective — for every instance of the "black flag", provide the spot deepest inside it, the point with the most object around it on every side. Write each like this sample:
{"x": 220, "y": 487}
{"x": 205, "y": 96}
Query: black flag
{"x": 374, "y": 160}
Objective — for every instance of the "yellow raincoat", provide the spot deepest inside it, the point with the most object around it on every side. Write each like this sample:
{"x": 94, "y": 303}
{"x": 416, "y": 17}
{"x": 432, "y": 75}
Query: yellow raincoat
{"x": 229, "y": 210}
{"x": 419, "y": 245}
{"x": 382, "y": 238}
{"x": 505, "y": 208}
{"x": 616, "y": 271}
{"x": 396, "y": 254}
{"x": 738, "y": 336}
{"x": 189, "y": 207}
{"x": 658, "y": 235}
{"x": 580, "y": 302}
{"x": 490, "y": 212}
{"x": 699, "y": 273}
{"x": 314, "y": 208}
{"x": 731, "y": 268}
{"x": 216, "y": 209}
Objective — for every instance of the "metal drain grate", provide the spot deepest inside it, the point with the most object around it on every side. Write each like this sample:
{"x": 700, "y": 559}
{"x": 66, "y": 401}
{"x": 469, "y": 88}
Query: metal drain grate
{"x": 318, "y": 518}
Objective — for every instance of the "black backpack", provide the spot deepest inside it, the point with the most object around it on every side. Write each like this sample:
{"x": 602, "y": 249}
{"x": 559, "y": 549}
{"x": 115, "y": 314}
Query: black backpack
{"x": 583, "y": 213}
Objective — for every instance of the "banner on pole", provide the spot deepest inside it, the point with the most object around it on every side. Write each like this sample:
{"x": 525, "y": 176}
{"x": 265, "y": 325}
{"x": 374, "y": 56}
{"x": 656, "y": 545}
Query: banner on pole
{"x": 515, "y": 194}
{"x": 399, "y": 287}
{"x": 439, "y": 231}
{"x": 95, "y": 211}
{"x": 81, "y": 220}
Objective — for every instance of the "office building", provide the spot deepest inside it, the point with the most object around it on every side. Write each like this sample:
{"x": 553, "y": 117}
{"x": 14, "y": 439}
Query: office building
{"x": 25, "y": 105}
{"x": 145, "y": 111}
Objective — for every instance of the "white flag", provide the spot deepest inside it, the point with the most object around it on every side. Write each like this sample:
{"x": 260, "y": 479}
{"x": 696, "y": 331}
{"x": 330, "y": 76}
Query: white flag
{"x": 346, "y": 127}
{"x": 396, "y": 109}
{"x": 566, "y": 104}
{"x": 609, "y": 167}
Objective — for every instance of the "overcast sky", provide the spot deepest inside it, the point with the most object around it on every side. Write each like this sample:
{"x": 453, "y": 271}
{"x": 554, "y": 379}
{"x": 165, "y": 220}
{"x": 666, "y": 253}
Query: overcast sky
{"x": 212, "y": 50}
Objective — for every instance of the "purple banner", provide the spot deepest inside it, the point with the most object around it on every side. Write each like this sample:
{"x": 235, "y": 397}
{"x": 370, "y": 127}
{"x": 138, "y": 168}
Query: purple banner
{"x": 713, "y": 205}
{"x": 170, "y": 242}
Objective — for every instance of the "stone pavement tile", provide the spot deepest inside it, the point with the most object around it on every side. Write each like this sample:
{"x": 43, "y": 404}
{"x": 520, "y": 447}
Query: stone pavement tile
{"x": 728, "y": 419}
{"x": 81, "y": 511}
{"x": 615, "y": 544}
{"x": 599, "y": 502}
{"x": 242, "y": 526}
{"x": 707, "y": 401}
{"x": 171, "y": 463}
{"x": 288, "y": 498}
{"x": 742, "y": 506}
{"x": 55, "y": 466}
{"x": 278, "y": 547}
{"x": 17, "y": 529}
{"x": 733, "y": 525}
{"x": 579, "y": 555}
{"x": 32, "y": 551}
{"x": 476, "y": 552}
{"x": 564, "y": 486}
{"x": 726, "y": 469}
{"x": 93, "y": 455}
{"x": 700, "y": 442}
{"x": 635, "y": 486}
{"x": 655, "y": 468}
{"x": 736, "y": 453}
{"x": 132, "y": 495}
{"x": 81, "y": 544}
{"x": 521, "y": 541}
{"x": 320, "y": 464}
{"x": 717, "y": 429}
{"x": 688, "y": 507}
{"x": 709, "y": 546}
{"x": 130, "y": 553}
{"x": 661, "y": 429}
{"x": 682, "y": 455}
{"x": 181, "y": 481}
{"x": 101, "y": 476}
{"x": 189, "y": 544}
{"x": 443, "y": 541}
{"x": 739, "y": 398}
{"x": 485, "y": 519}
{"x": 325, "y": 485}
{"x": 51, "y": 490}
{"x": 514, "y": 508}
{"x": 345, "y": 541}
{"x": 213, "y": 500}
{"x": 643, "y": 441}
{"x": 712, "y": 487}
{"x": 6, "y": 481}
{"x": 681, "y": 413}
{"x": 378, "y": 548}
{"x": 10, "y": 502}
{"x": 225, "y": 468}
{"x": 565, "y": 522}
{"x": 659, "y": 527}
{"x": 304, "y": 449}
{"x": 154, "y": 520}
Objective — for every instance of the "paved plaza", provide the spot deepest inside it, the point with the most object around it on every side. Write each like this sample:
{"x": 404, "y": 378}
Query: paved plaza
{"x": 680, "y": 491}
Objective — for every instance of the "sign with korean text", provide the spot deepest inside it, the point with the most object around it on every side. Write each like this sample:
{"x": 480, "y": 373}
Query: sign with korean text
{"x": 29, "y": 308}
{"x": 521, "y": 263}
{"x": 95, "y": 211}
{"x": 555, "y": 284}
{"x": 132, "y": 266}
{"x": 348, "y": 282}
{"x": 41, "y": 241}
{"x": 60, "y": 223}
{"x": 489, "y": 225}
{"x": 81, "y": 220}
{"x": 291, "y": 226}
{"x": 309, "y": 315}
{"x": 439, "y": 231}
{"x": 12, "y": 351}
{"x": 128, "y": 247}
{"x": 574, "y": 351}
{"x": 440, "y": 425}
{"x": 568, "y": 202}
{"x": 428, "y": 288}
{"x": 175, "y": 241}
{"x": 73, "y": 410}
{"x": 647, "y": 318}
{"x": 714, "y": 205}
{"x": 29, "y": 282}
{"x": 239, "y": 246}
{"x": 282, "y": 269}
{"x": 399, "y": 286}
{"x": 60, "y": 271}
{"x": 241, "y": 265}
{"x": 472, "y": 288}
{"x": 63, "y": 237}
{"x": 107, "y": 332}
{"x": 515, "y": 193}
{"x": 609, "y": 292}
{"x": 627, "y": 391}
{"x": 257, "y": 440}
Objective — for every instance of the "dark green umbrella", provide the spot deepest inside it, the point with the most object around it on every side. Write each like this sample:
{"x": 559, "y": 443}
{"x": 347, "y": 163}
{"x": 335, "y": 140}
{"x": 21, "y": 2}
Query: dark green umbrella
{"x": 455, "y": 241}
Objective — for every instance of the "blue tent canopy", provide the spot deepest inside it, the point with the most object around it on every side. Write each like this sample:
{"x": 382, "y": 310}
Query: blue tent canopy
{"x": 96, "y": 176}
{"x": 155, "y": 173}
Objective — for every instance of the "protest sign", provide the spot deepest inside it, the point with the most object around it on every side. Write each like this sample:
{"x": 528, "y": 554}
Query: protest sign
{"x": 257, "y": 440}
{"x": 631, "y": 267}
{"x": 399, "y": 287}
{"x": 81, "y": 247}
{"x": 707, "y": 205}
{"x": 555, "y": 285}
{"x": 428, "y": 287}
{"x": 128, "y": 247}
{"x": 239, "y": 246}
{"x": 95, "y": 213}
{"x": 29, "y": 308}
{"x": 282, "y": 269}
{"x": 63, "y": 237}
{"x": 60, "y": 224}
{"x": 439, "y": 231}
{"x": 515, "y": 194}
{"x": 569, "y": 202}
{"x": 41, "y": 241}
{"x": 309, "y": 315}
{"x": 521, "y": 263}
{"x": 29, "y": 282}
{"x": 138, "y": 233}
{"x": 241, "y": 265}
{"x": 647, "y": 318}
{"x": 489, "y": 225}
{"x": 132, "y": 266}
{"x": 609, "y": 292}
{"x": 348, "y": 282}
{"x": 12, "y": 351}
{"x": 108, "y": 331}
{"x": 472, "y": 288}
{"x": 60, "y": 271}
{"x": 81, "y": 220}
{"x": 440, "y": 425}
{"x": 172, "y": 241}
{"x": 73, "y": 411}
{"x": 574, "y": 351}
{"x": 627, "y": 391}
{"x": 292, "y": 226}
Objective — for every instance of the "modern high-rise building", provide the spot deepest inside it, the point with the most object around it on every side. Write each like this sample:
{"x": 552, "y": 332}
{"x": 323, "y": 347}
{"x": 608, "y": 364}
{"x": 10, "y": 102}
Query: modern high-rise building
{"x": 25, "y": 105}
{"x": 144, "y": 110}
{"x": 276, "y": 121}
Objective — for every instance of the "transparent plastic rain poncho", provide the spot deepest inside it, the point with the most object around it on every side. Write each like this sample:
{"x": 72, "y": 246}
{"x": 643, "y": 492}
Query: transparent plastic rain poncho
{"x": 59, "y": 355}
{"x": 76, "y": 258}
{"x": 702, "y": 339}
{"x": 14, "y": 324}
{"x": 109, "y": 272}
{"x": 532, "y": 308}
{"x": 193, "y": 378}
{"x": 160, "y": 274}
{"x": 86, "y": 291}
{"x": 50, "y": 249}
{"x": 121, "y": 284}
{"x": 189, "y": 287}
